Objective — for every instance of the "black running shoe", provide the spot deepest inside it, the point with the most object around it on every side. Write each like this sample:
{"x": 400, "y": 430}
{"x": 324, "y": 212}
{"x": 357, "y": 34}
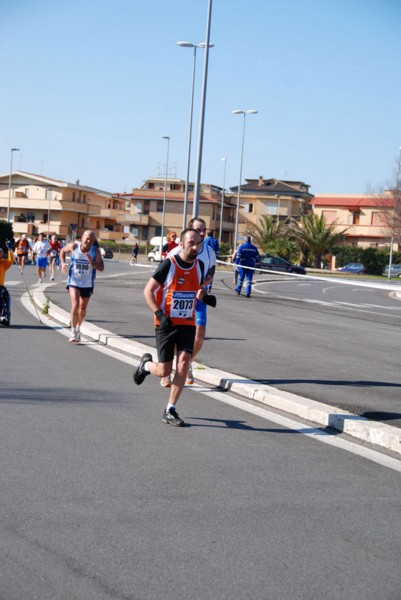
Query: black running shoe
{"x": 140, "y": 373}
{"x": 171, "y": 418}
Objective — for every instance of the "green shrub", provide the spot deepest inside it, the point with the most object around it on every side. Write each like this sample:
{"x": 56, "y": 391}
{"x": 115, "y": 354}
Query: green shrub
{"x": 347, "y": 254}
{"x": 225, "y": 251}
{"x": 374, "y": 260}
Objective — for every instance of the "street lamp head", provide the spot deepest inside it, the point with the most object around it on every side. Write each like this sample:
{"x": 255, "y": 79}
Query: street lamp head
{"x": 165, "y": 137}
{"x": 14, "y": 149}
{"x": 251, "y": 111}
{"x": 225, "y": 160}
{"x": 191, "y": 45}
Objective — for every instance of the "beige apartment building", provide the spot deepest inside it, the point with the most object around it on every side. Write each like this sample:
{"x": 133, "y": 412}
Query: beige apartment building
{"x": 283, "y": 199}
{"x": 366, "y": 218}
{"x": 146, "y": 205}
{"x": 38, "y": 204}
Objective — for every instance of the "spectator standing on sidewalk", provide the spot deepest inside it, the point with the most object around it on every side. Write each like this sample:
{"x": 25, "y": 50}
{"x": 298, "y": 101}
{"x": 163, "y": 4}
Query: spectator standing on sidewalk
{"x": 171, "y": 244}
{"x": 171, "y": 294}
{"x": 85, "y": 261}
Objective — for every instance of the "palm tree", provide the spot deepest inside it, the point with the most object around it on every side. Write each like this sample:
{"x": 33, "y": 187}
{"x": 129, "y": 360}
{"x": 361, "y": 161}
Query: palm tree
{"x": 315, "y": 236}
{"x": 266, "y": 233}
{"x": 272, "y": 236}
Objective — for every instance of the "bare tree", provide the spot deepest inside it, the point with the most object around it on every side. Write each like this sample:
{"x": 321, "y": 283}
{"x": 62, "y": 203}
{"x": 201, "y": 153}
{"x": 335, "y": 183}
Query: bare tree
{"x": 391, "y": 216}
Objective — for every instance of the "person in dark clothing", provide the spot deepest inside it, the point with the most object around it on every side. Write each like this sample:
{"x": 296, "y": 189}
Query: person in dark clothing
{"x": 247, "y": 255}
{"x": 212, "y": 242}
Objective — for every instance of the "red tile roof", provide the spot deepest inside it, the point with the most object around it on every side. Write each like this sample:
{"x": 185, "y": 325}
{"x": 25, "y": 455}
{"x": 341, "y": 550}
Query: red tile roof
{"x": 352, "y": 201}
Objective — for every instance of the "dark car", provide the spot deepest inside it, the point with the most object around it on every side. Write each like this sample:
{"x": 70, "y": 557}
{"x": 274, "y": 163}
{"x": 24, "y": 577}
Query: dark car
{"x": 106, "y": 253}
{"x": 352, "y": 268}
{"x": 276, "y": 263}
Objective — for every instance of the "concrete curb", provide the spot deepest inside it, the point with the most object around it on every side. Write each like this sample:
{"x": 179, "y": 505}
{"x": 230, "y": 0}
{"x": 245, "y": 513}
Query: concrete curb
{"x": 373, "y": 432}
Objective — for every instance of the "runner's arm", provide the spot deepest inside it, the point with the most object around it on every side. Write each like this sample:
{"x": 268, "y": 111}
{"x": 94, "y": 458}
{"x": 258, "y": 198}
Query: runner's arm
{"x": 63, "y": 252}
{"x": 97, "y": 263}
{"x": 149, "y": 293}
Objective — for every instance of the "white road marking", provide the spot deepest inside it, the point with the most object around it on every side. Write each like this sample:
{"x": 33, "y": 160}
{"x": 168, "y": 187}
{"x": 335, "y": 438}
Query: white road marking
{"x": 319, "y": 435}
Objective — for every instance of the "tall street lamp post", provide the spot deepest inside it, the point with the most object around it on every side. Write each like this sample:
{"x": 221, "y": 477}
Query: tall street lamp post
{"x": 9, "y": 182}
{"x": 222, "y": 200}
{"x": 202, "y": 115}
{"x": 245, "y": 113}
{"x": 191, "y": 112}
{"x": 164, "y": 137}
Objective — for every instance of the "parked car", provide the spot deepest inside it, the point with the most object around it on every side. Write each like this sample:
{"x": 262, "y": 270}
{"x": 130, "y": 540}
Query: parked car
{"x": 155, "y": 255}
{"x": 106, "y": 253}
{"x": 276, "y": 263}
{"x": 355, "y": 268}
{"x": 395, "y": 271}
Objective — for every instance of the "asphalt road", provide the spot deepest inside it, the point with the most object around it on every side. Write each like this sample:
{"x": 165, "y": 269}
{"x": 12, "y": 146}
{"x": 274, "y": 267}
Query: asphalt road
{"x": 100, "y": 500}
{"x": 332, "y": 343}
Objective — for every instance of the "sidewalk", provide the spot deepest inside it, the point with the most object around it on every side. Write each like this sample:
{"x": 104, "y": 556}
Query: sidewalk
{"x": 373, "y": 432}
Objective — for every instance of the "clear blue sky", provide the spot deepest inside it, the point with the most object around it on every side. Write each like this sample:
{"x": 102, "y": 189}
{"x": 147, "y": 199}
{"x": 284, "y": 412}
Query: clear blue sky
{"x": 89, "y": 87}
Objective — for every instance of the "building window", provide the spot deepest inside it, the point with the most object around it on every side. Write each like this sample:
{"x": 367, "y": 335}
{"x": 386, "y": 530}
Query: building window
{"x": 146, "y": 207}
{"x": 151, "y": 185}
{"x": 159, "y": 207}
{"x": 26, "y": 192}
{"x": 378, "y": 219}
{"x": 49, "y": 194}
{"x": 73, "y": 197}
{"x": 84, "y": 200}
{"x": 356, "y": 217}
{"x": 248, "y": 208}
{"x": 158, "y": 230}
{"x": 329, "y": 216}
{"x": 271, "y": 208}
{"x": 145, "y": 233}
{"x": 30, "y": 217}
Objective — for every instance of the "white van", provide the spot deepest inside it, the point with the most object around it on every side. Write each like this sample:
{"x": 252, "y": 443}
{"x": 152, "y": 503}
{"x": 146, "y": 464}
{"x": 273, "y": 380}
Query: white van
{"x": 154, "y": 255}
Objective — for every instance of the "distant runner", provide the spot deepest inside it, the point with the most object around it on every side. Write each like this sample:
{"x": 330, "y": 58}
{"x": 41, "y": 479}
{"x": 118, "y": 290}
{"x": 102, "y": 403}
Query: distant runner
{"x": 85, "y": 261}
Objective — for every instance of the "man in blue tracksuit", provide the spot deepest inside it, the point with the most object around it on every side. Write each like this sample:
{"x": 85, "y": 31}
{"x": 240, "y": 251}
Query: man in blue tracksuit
{"x": 247, "y": 255}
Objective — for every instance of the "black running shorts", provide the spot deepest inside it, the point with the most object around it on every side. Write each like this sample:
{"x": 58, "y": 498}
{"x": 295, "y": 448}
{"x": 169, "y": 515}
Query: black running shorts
{"x": 179, "y": 338}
